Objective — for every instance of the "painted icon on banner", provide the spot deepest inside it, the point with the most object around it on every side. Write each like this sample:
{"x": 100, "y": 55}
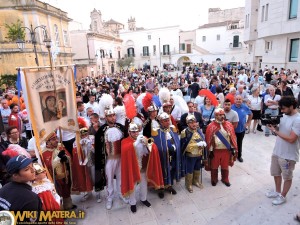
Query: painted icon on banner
{"x": 53, "y": 105}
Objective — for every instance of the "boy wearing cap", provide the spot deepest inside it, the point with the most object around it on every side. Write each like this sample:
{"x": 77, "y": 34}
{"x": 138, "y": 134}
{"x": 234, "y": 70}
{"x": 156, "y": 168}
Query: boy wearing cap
{"x": 17, "y": 195}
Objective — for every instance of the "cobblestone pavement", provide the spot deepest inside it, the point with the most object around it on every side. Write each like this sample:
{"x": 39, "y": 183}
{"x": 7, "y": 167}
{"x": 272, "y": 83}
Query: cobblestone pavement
{"x": 242, "y": 203}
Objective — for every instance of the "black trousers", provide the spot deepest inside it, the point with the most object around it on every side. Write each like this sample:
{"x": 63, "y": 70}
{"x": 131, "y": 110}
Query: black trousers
{"x": 239, "y": 140}
{"x": 69, "y": 145}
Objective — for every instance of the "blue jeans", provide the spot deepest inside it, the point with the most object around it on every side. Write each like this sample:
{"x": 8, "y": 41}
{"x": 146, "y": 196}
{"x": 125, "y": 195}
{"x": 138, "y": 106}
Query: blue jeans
{"x": 272, "y": 113}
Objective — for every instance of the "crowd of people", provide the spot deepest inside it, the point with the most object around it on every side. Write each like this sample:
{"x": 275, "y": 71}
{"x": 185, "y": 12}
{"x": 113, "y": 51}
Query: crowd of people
{"x": 150, "y": 129}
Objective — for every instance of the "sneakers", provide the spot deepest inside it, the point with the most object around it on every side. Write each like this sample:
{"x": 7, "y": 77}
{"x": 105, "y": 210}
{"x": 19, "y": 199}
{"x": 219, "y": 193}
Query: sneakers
{"x": 109, "y": 205}
{"x": 272, "y": 194}
{"x": 267, "y": 135}
{"x": 279, "y": 200}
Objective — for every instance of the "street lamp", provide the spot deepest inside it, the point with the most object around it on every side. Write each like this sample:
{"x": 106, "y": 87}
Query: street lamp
{"x": 21, "y": 43}
{"x": 102, "y": 55}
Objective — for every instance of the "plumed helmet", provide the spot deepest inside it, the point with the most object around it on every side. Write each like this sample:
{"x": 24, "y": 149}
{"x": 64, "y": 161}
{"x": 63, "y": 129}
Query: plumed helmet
{"x": 190, "y": 118}
{"x": 38, "y": 168}
{"x": 133, "y": 127}
{"x": 163, "y": 116}
{"x": 152, "y": 108}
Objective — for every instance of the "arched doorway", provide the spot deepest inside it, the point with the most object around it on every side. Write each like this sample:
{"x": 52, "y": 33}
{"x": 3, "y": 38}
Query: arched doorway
{"x": 183, "y": 61}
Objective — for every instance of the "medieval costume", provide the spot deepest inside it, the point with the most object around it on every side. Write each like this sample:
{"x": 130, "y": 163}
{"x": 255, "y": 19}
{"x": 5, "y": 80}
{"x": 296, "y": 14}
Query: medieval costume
{"x": 59, "y": 164}
{"x": 137, "y": 168}
{"x": 108, "y": 153}
{"x": 167, "y": 141}
{"x": 151, "y": 124}
{"x": 222, "y": 145}
{"x": 192, "y": 146}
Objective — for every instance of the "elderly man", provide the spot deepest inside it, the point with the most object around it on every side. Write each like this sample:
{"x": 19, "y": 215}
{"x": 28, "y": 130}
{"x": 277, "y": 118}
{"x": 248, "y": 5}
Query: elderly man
{"x": 242, "y": 92}
{"x": 192, "y": 144}
{"x": 197, "y": 115}
{"x": 167, "y": 141}
{"x": 243, "y": 111}
{"x": 222, "y": 145}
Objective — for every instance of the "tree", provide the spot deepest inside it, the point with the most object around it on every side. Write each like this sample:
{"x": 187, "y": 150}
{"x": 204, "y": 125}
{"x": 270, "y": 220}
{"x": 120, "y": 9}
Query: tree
{"x": 8, "y": 79}
{"x": 128, "y": 61}
{"x": 15, "y": 31}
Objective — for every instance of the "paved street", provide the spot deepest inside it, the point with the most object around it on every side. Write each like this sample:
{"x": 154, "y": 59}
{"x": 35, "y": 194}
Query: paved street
{"x": 242, "y": 203}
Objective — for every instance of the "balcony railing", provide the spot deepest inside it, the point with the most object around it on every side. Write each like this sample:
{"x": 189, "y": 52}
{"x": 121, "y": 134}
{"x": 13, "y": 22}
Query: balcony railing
{"x": 145, "y": 54}
{"x": 129, "y": 55}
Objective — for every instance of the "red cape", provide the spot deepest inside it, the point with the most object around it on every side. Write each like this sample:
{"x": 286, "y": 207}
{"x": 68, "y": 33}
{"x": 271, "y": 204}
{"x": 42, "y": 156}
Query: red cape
{"x": 130, "y": 171}
{"x": 213, "y": 127}
{"x": 81, "y": 177}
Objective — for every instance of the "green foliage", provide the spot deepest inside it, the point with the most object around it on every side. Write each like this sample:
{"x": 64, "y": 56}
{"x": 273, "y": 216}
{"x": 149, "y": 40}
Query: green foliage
{"x": 128, "y": 61}
{"x": 125, "y": 62}
{"x": 8, "y": 79}
{"x": 120, "y": 63}
{"x": 15, "y": 31}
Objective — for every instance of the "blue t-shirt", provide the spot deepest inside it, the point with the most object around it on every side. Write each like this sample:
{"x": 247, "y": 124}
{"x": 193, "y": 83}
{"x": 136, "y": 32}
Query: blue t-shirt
{"x": 206, "y": 113}
{"x": 242, "y": 112}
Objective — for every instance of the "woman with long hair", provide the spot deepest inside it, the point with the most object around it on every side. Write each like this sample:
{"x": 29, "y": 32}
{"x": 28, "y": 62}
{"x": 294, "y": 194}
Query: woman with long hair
{"x": 255, "y": 104}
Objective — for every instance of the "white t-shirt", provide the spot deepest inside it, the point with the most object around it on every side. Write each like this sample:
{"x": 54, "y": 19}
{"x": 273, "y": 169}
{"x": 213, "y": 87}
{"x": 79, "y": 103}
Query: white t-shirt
{"x": 282, "y": 148}
{"x": 255, "y": 102}
{"x": 232, "y": 116}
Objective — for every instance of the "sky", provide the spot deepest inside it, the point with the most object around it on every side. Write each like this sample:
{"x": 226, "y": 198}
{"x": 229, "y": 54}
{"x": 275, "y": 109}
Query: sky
{"x": 189, "y": 14}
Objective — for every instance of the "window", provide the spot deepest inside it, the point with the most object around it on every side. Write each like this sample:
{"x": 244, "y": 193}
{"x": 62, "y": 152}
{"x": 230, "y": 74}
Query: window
{"x": 218, "y": 37}
{"x": 154, "y": 49}
{"x": 262, "y": 13}
{"x": 130, "y": 52}
{"x": 149, "y": 37}
{"x": 236, "y": 41}
{"x": 166, "y": 50}
{"x": 293, "y": 9}
{"x": 294, "y": 50}
{"x": 56, "y": 35}
{"x": 119, "y": 54}
{"x": 267, "y": 12}
{"x": 203, "y": 38}
{"x": 182, "y": 47}
{"x": 145, "y": 51}
{"x": 246, "y": 23}
{"x": 66, "y": 38}
{"x": 268, "y": 45}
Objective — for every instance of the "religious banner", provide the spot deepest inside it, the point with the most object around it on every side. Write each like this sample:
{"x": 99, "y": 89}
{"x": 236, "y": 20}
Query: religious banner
{"x": 51, "y": 100}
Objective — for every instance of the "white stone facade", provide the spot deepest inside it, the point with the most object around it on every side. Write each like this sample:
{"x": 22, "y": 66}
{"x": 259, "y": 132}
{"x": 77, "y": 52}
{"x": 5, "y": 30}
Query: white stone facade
{"x": 271, "y": 31}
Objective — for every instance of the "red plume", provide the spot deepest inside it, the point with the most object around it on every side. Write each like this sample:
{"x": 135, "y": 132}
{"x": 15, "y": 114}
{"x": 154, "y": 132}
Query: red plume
{"x": 230, "y": 97}
{"x": 147, "y": 101}
{"x": 207, "y": 93}
{"x": 81, "y": 122}
{"x": 130, "y": 107}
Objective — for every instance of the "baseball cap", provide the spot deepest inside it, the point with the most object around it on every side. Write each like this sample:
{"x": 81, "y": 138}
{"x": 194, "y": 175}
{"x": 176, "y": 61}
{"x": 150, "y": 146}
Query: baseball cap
{"x": 17, "y": 163}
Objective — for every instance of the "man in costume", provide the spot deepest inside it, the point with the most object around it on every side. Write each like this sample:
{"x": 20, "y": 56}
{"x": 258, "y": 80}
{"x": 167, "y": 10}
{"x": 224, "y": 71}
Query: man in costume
{"x": 167, "y": 141}
{"x": 151, "y": 123}
{"x": 192, "y": 144}
{"x": 140, "y": 163}
{"x": 222, "y": 146}
{"x": 58, "y": 161}
{"x": 108, "y": 152}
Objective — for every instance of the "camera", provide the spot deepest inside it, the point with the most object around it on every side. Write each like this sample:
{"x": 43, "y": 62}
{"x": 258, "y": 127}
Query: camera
{"x": 268, "y": 119}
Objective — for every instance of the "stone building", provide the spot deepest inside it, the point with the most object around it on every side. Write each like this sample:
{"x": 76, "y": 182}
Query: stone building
{"x": 35, "y": 13}
{"x": 97, "y": 49}
{"x": 272, "y": 31}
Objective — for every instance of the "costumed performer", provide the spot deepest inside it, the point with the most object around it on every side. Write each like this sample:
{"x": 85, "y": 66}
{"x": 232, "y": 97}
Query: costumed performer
{"x": 222, "y": 145}
{"x": 140, "y": 163}
{"x": 193, "y": 145}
